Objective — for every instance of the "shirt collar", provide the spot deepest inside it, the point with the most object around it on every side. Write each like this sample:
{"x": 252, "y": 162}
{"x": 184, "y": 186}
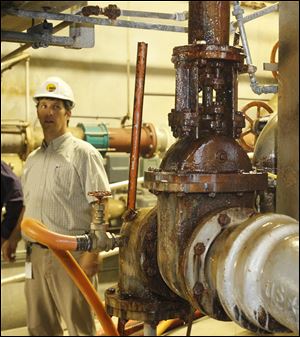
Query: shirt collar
{"x": 55, "y": 143}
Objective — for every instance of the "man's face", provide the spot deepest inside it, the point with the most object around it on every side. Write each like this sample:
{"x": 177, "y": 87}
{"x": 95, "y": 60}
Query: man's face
{"x": 52, "y": 115}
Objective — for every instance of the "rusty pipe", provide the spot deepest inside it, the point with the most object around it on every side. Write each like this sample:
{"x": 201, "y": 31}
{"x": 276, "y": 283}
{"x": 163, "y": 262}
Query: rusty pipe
{"x": 120, "y": 139}
{"x": 58, "y": 243}
{"x": 136, "y": 123}
{"x": 209, "y": 21}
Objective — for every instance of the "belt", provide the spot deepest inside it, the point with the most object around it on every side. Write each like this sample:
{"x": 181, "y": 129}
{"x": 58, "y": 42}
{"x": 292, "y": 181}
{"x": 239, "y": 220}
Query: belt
{"x": 39, "y": 244}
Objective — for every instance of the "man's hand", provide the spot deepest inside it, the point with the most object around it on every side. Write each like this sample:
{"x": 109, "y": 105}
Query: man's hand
{"x": 90, "y": 263}
{"x": 8, "y": 248}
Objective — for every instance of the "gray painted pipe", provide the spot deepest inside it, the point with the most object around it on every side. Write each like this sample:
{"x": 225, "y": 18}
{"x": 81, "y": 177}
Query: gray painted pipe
{"x": 256, "y": 88}
{"x": 257, "y": 274}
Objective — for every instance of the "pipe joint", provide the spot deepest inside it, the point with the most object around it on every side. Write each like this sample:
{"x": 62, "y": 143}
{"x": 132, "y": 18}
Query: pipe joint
{"x": 181, "y": 16}
{"x": 263, "y": 89}
{"x": 103, "y": 241}
{"x": 238, "y": 11}
{"x": 84, "y": 242}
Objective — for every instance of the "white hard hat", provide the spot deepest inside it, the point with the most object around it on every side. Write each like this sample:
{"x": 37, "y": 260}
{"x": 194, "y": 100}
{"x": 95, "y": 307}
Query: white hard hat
{"x": 55, "y": 87}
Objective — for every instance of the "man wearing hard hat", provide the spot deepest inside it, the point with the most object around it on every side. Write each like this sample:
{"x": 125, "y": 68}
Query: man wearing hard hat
{"x": 56, "y": 180}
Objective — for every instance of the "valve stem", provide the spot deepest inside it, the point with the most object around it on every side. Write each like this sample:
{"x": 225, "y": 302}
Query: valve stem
{"x": 98, "y": 220}
{"x": 101, "y": 241}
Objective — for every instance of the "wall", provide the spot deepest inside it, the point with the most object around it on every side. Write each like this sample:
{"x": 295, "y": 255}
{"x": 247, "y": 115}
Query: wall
{"x": 287, "y": 201}
{"x": 102, "y": 84}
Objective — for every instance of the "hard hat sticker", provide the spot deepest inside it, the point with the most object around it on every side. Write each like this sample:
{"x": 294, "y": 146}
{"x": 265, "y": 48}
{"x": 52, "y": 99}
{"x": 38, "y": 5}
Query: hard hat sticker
{"x": 51, "y": 87}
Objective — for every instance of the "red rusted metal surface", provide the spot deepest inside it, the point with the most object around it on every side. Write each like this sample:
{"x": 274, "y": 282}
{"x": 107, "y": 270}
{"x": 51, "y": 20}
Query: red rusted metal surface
{"x": 120, "y": 140}
{"x": 206, "y": 91}
{"x": 141, "y": 293}
{"x": 209, "y": 22}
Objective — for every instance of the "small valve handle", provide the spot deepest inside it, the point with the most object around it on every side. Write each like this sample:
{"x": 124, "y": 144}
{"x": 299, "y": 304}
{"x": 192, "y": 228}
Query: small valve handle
{"x": 100, "y": 195}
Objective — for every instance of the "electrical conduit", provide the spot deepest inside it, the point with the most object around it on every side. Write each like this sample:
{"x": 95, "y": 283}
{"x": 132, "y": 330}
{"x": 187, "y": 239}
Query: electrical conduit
{"x": 58, "y": 243}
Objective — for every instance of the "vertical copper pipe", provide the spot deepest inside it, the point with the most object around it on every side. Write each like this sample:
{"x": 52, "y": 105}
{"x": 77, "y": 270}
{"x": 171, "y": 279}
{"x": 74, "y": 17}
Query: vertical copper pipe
{"x": 209, "y": 21}
{"x": 137, "y": 123}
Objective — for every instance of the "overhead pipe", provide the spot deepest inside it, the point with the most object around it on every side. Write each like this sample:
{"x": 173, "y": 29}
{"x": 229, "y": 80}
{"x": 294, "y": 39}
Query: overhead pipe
{"x": 256, "y": 88}
{"x": 255, "y": 15}
{"x": 12, "y": 61}
{"x": 113, "y": 12}
{"x": 83, "y": 19}
{"x": 60, "y": 244}
{"x": 19, "y": 137}
{"x": 19, "y": 50}
{"x": 136, "y": 124}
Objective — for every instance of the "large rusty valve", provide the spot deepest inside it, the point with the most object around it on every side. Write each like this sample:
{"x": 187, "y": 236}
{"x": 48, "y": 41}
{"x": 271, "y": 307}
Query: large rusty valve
{"x": 249, "y": 136}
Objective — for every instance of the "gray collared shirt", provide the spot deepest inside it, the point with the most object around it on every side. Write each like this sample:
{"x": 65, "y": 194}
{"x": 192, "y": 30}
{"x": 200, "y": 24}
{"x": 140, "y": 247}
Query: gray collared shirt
{"x": 56, "y": 181}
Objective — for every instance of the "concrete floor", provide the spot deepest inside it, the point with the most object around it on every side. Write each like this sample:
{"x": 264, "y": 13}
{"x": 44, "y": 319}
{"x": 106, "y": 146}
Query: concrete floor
{"x": 202, "y": 327}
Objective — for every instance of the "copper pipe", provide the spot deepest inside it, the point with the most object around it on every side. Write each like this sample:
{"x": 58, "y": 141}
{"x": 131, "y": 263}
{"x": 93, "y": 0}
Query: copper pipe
{"x": 209, "y": 21}
{"x": 136, "y": 123}
{"x": 58, "y": 243}
{"x": 120, "y": 139}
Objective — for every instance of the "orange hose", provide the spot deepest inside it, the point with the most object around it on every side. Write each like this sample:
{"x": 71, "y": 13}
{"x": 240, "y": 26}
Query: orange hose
{"x": 37, "y": 231}
{"x": 84, "y": 285}
{"x": 165, "y": 325}
{"x": 58, "y": 243}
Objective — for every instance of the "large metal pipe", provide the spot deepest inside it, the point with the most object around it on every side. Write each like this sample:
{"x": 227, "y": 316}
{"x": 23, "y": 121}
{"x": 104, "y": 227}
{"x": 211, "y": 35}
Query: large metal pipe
{"x": 19, "y": 137}
{"x": 137, "y": 123}
{"x": 253, "y": 268}
{"x": 209, "y": 21}
{"x": 120, "y": 139}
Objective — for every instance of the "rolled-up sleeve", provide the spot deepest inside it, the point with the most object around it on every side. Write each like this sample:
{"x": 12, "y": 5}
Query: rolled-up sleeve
{"x": 93, "y": 175}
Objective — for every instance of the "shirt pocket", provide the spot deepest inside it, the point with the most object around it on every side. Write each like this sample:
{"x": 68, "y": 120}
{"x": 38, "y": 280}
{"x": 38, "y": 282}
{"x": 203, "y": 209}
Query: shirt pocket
{"x": 64, "y": 178}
